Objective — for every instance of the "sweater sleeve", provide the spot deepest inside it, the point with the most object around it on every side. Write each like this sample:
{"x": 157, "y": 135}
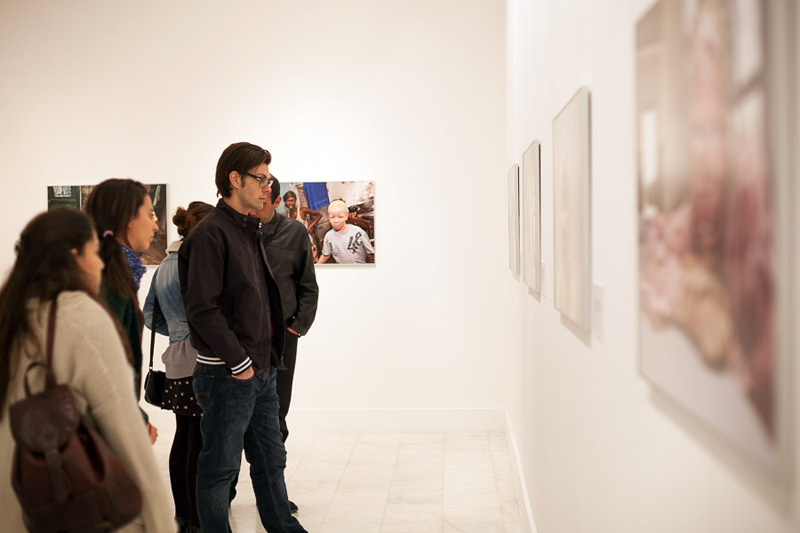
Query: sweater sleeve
{"x": 102, "y": 376}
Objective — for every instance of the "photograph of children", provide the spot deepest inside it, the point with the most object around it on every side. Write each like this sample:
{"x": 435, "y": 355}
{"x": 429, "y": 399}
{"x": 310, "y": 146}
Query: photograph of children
{"x": 706, "y": 218}
{"x": 339, "y": 217}
{"x": 73, "y": 196}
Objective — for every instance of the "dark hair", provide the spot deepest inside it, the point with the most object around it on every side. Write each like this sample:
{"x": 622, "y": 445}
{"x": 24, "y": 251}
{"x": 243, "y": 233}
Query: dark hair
{"x": 289, "y": 194}
{"x": 238, "y": 157}
{"x": 275, "y": 187}
{"x": 112, "y": 204}
{"x": 187, "y": 219}
{"x": 45, "y": 266}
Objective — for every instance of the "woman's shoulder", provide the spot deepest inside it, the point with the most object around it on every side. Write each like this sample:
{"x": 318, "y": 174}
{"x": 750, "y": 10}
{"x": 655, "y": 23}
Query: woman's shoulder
{"x": 79, "y": 307}
{"x": 77, "y": 300}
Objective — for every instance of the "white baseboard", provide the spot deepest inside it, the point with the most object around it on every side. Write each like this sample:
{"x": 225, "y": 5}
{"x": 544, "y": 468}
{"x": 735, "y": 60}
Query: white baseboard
{"x": 397, "y": 419}
{"x": 526, "y": 514}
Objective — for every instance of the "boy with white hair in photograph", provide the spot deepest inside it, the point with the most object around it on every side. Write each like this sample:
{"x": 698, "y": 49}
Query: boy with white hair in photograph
{"x": 347, "y": 243}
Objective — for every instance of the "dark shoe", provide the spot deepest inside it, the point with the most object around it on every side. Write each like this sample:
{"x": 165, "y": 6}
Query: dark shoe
{"x": 293, "y": 507}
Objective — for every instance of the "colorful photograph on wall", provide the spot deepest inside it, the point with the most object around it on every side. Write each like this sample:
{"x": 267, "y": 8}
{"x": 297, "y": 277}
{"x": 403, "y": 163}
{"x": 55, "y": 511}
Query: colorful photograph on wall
{"x": 158, "y": 248}
{"x": 572, "y": 210}
{"x": 513, "y": 221}
{"x": 64, "y": 196}
{"x": 338, "y": 215}
{"x": 531, "y": 217}
{"x": 74, "y": 196}
{"x": 707, "y": 263}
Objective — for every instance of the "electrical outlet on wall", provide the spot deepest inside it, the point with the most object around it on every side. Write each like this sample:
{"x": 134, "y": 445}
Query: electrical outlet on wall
{"x": 598, "y": 311}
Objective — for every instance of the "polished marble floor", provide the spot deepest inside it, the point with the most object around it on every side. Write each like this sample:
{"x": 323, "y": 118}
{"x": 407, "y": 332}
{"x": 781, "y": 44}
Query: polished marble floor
{"x": 385, "y": 482}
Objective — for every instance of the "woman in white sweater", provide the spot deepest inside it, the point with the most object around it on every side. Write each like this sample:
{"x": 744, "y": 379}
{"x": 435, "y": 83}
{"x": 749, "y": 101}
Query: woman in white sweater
{"x": 57, "y": 258}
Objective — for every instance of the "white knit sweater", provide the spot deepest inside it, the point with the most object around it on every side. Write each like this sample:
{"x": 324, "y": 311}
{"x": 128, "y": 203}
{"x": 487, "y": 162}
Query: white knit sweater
{"x": 88, "y": 355}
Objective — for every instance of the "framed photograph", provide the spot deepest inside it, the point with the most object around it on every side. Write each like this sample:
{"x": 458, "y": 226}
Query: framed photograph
{"x": 338, "y": 215}
{"x": 532, "y": 217}
{"x": 74, "y": 196}
{"x": 572, "y": 210}
{"x": 708, "y": 219}
{"x": 158, "y": 248}
{"x": 513, "y": 221}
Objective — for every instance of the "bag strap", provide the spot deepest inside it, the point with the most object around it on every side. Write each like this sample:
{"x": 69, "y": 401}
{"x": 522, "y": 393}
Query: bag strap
{"x": 50, "y": 378}
{"x": 156, "y": 314}
{"x": 51, "y": 334}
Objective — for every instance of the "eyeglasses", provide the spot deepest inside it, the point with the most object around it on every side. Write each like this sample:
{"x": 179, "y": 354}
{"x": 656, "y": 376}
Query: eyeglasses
{"x": 263, "y": 181}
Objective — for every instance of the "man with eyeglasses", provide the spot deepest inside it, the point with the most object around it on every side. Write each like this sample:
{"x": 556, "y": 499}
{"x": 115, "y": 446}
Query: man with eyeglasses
{"x": 288, "y": 248}
{"x": 230, "y": 295}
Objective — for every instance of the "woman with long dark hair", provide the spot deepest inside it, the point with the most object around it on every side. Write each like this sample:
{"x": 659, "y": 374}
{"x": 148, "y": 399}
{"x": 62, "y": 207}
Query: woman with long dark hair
{"x": 58, "y": 260}
{"x": 179, "y": 360}
{"x": 122, "y": 212}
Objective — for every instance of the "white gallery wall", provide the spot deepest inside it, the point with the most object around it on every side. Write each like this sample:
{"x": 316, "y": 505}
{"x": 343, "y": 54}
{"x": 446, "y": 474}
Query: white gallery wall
{"x": 409, "y": 94}
{"x": 601, "y": 451}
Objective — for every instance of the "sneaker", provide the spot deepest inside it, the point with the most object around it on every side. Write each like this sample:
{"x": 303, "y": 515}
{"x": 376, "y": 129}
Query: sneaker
{"x": 293, "y": 507}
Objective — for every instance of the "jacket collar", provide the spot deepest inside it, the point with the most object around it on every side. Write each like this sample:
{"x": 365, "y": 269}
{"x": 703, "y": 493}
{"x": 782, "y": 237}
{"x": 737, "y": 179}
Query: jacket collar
{"x": 272, "y": 226}
{"x": 246, "y": 222}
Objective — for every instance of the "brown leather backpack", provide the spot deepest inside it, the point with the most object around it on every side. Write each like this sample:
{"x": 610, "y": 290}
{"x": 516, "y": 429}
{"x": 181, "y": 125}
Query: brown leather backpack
{"x": 66, "y": 477}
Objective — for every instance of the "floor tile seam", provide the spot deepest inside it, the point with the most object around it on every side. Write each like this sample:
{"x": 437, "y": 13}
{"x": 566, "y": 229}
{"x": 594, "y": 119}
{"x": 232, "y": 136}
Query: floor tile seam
{"x": 494, "y": 478}
{"x": 302, "y": 457}
{"x": 339, "y": 481}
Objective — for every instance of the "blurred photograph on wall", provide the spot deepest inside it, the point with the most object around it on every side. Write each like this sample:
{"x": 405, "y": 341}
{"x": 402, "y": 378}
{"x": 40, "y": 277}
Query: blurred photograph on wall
{"x": 707, "y": 324}
{"x": 513, "y": 221}
{"x": 531, "y": 217}
{"x": 572, "y": 209}
{"x": 338, "y": 215}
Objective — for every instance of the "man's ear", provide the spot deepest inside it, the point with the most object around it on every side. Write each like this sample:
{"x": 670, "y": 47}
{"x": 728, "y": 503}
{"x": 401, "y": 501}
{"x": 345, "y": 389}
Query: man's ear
{"x": 235, "y": 179}
{"x": 277, "y": 202}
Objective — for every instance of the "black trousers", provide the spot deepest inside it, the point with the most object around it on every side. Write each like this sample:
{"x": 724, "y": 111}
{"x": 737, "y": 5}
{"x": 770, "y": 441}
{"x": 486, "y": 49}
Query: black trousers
{"x": 186, "y": 446}
{"x": 285, "y": 379}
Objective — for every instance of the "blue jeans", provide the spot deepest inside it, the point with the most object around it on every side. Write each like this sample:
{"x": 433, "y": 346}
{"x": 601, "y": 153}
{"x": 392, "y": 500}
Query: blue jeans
{"x": 240, "y": 415}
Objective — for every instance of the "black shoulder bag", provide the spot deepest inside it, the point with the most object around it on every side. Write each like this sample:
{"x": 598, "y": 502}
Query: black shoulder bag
{"x": 156, "y": 380}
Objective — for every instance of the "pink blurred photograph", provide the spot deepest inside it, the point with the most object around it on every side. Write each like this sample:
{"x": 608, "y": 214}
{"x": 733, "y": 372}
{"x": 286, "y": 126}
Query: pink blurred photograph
{"x": 706, "y": 214}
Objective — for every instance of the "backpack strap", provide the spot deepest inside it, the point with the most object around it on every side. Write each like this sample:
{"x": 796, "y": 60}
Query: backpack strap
{"x": 51, "y": 333}
{"x": 50, "y": 378}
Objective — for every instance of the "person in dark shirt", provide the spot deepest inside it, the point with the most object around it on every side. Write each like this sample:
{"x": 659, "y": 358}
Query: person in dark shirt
{"x": 122, "y": 212}
{"x": 292, "y": 264}
{"x": 236, "y": 324}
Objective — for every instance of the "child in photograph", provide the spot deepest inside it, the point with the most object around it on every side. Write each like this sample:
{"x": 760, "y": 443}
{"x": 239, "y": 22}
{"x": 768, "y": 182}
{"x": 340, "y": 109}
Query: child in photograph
{"x": 347, "y": 243}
